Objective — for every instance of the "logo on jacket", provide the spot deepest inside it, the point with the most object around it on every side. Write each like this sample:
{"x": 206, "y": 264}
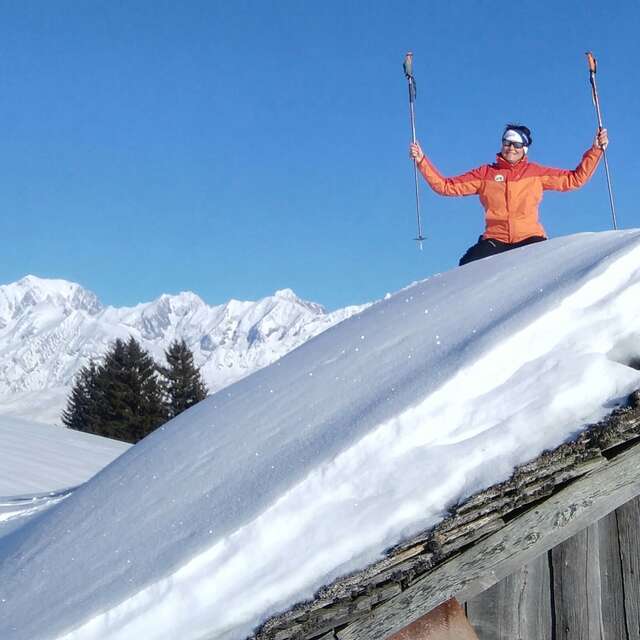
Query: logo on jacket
{"x": 499, "y": 178}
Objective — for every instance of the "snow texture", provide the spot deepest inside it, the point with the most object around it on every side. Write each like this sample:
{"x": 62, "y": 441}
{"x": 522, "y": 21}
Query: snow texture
{"x": 40, "y": 464}
{"x": 311, "y": 467}
{"x": 38, "y": 458}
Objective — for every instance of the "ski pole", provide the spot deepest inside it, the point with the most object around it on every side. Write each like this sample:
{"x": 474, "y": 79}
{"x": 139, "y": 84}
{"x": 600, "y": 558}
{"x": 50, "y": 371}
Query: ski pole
{"x": 596, "y": 102}
{"x": 408, "y": 72}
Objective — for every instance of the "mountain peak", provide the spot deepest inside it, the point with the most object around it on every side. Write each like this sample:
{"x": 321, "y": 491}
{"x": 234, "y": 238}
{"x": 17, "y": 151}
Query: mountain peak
{"x": 31, "y": 291}
{"x": 286, "y": 294}
{"x": 179, "y": 302}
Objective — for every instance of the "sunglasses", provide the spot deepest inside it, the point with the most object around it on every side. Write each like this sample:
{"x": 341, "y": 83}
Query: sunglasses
{"x": 511, "y": 143}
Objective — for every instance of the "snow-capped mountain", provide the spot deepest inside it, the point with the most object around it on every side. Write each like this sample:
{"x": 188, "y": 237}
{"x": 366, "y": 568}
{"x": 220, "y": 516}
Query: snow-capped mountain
{"x": 50, "y": 328}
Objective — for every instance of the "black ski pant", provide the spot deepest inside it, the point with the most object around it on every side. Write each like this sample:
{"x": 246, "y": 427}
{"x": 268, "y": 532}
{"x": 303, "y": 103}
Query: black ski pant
{"x": 489, "y": 247}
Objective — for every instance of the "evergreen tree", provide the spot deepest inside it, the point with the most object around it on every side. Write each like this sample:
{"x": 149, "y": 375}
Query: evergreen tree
{"x": 122, "y": 398}
{"x": 183, "y": 383}
{"x": 132, "y": 405}
{"x": 81, "y": 411}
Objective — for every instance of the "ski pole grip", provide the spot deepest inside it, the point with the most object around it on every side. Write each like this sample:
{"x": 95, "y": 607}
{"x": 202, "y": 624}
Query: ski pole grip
{"x": 408, "y": 65}
{"x": 591, "y": 61}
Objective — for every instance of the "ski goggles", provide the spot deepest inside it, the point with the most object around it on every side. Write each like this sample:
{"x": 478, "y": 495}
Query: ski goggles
{"x": 511, "y": 143}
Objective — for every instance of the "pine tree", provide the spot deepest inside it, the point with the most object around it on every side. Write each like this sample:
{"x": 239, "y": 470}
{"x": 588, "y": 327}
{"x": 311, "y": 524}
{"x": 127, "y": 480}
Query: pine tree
{"x": 81, "y": 411}
{"x": 183, "y": 383}
{"x": 122, "y": 398}
{"x": 113, "y": 384}
{"x": 132, "y": 404}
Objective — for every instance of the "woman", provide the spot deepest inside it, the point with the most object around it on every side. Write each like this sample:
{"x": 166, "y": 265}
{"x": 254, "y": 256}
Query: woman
{"x": 510, "y": 189}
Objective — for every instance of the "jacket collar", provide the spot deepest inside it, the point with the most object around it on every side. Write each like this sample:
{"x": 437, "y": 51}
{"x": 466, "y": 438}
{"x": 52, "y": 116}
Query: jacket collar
{"x": 501, "y": 163}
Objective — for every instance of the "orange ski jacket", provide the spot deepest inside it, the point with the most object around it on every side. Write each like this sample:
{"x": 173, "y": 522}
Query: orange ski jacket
{"x": 511, "y": 193}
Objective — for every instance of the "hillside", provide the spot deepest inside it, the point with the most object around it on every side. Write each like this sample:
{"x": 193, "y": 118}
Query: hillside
{"x": 37, "y": 458}
{"x": 311, "y": 467}
{"x": 40, "y": 464}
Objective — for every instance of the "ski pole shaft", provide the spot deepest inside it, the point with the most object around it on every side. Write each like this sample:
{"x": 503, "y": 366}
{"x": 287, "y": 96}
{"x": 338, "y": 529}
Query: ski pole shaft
{"x": 408, "y": 72}
{"x": 415, "y": 179}
{"x": 596, "y": 102}
{"x": 611, "y": 203}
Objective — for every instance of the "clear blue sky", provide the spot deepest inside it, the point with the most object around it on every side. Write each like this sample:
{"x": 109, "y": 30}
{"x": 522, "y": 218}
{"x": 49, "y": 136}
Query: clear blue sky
{"x": 235, "y": 148}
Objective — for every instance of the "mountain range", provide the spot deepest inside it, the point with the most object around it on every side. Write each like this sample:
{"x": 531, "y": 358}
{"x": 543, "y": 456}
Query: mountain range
{"x": 50, "y": 328}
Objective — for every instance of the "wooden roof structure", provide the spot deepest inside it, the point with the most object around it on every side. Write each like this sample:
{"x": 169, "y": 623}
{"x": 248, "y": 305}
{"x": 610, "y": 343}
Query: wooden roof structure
{"x": 484, "y": 539}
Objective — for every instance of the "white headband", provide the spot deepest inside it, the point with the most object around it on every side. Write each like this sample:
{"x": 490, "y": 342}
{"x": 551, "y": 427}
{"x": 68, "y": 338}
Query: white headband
{"x": 515, "y": 136}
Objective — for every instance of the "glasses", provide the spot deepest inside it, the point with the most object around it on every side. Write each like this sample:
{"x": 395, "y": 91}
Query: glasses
{"x": 511, "y": 143}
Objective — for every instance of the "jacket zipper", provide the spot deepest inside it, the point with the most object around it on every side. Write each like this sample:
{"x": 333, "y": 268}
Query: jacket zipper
{"x": 506, "y": 197}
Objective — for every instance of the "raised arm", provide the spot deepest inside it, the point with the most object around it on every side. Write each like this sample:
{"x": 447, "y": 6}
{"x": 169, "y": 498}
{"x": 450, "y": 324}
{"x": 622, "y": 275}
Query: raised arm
{"x": 567, "y": 180}
{"x": 466, "y": 184}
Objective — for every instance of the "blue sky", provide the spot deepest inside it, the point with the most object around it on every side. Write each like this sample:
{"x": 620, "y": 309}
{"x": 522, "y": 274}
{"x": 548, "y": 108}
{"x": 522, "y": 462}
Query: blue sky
{"x": 236, "y": 148}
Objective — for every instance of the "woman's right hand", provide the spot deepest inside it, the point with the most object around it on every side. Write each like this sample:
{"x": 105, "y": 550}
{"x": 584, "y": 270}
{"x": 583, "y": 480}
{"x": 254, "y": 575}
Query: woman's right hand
{"x": 415, "y": 152}
{"x": 601, "y": 140}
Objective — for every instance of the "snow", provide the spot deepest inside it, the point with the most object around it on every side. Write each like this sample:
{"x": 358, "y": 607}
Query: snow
{"x": 41, "y": 405}
{"x": 312, "y": 466}
{"x": 49, "y": 329}
{"x": 39, "y": 458}
{"x": 41, "y": 464}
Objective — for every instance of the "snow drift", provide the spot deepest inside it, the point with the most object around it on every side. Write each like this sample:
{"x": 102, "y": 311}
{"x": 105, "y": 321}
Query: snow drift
{"x": 311, "y": 467}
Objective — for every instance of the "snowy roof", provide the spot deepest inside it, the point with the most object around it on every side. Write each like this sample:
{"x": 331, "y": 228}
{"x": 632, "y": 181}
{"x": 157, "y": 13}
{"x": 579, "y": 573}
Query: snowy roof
{"x": 358, "y": 440}
{"x": 419, "y": 574}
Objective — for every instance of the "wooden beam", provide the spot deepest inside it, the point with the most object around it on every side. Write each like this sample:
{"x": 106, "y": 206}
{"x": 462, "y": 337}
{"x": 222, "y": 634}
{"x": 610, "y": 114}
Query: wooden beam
{"x": 576, "y": 587}
{"x": 543, "y": 527}
{"x": 517, "y": 607}
{"x": 614, "y": 626}
{"x": 629, "y": 532}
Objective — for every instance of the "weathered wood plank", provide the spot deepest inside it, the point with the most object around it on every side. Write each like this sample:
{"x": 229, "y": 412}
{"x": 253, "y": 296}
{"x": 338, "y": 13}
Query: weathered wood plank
{"x": 576, "y": 587}
{"x": 629, "y": 536}
{"x": 531, "y": 482}
{"x": 448, "y": 547}
{"x": 612, "y": 590}
{"x": 485, "y": 563}
{"x": 516, "y": 608}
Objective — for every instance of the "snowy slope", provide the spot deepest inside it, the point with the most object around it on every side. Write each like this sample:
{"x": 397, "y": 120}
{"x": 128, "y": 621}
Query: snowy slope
{"x": 311, "y": 467}
{"x": 38, "y": 458}
{"x": 51, "y": 328}
{"x": 40, "y": 464}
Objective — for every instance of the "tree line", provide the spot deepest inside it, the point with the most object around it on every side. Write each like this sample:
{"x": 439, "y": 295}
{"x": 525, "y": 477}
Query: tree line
{"x": 127, "y": 395}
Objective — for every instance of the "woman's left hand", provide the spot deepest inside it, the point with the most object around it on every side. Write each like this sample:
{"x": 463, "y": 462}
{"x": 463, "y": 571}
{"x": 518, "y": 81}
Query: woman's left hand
{"x": 601, "y": 140}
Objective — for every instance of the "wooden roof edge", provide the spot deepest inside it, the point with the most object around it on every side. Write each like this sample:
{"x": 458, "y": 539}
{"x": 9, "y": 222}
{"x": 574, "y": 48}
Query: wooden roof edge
{"x": 544, "y": 502}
